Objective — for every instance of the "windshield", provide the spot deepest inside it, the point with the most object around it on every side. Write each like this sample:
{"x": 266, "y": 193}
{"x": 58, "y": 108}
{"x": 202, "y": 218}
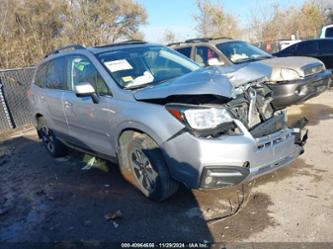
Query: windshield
{"x": 238, "y": 51}
{"x": 141, "y": 66}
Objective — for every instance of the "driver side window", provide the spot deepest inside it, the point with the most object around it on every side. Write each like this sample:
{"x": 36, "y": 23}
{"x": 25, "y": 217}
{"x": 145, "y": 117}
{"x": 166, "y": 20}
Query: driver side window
{"x": 81, "y": 70}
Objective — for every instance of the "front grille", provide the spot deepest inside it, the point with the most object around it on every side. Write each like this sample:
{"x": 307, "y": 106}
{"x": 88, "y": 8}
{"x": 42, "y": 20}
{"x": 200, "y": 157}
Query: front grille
{"x": 269, "y": 141}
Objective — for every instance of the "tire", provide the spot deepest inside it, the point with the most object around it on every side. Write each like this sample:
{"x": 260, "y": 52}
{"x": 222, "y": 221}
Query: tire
{"x": 142, "y": 164}
{"x": 53, "y": 146}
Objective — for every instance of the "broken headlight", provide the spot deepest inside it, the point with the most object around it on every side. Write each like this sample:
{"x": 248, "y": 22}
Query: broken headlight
{"x": 203, "y": 121}
{"x": 208, "y": 118}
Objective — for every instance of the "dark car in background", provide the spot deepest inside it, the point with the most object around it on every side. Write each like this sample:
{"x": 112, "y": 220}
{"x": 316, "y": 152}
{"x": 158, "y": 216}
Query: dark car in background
{"x": 321, "y": 49}
{"x": 291, "y": 79}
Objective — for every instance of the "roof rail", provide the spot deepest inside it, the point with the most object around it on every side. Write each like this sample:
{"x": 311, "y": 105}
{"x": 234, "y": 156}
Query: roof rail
{"x": 174, "y": 43}
{"x": 58, "y": 50}
{"x": 222, "y": 37}
{"x": 203, "y": 39}
{"x": 128, "y": 42}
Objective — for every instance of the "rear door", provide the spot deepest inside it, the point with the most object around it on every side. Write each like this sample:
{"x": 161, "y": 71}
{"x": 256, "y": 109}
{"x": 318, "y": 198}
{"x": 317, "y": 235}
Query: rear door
{"x": 89, "y": 123}
{"x": 288, "y": 51}
{"x": 326, "y": 53}
{"x": 51, "y": 96}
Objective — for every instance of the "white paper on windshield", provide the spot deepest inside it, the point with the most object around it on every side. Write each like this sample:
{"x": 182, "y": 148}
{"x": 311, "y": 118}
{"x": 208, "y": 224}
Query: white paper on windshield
{"x": 118, "y": 65}
{"x": 236, "y": 57}
{"x": 146, "y": 78}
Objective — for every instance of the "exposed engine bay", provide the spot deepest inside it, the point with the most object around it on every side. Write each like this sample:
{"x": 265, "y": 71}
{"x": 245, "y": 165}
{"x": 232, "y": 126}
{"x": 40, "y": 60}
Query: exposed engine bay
{"x": 251, "y": 105}
{"x": 211, "y": 98}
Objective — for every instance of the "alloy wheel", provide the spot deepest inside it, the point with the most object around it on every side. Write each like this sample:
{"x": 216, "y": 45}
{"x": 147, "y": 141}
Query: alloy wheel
{"x": 143, "y": 169}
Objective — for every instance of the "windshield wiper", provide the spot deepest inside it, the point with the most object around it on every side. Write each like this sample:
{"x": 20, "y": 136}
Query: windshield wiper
{"x": 264, "y": 57}
{"x": 252, "y": 59}
{"x": 245, "y": 60}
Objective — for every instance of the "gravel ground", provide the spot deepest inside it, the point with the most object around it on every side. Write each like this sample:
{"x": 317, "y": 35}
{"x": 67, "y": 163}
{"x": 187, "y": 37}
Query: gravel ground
{"x": 43, "y": 199}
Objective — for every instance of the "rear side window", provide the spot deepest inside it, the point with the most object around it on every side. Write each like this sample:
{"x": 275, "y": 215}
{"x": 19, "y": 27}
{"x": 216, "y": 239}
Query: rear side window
{"x": 326, "y": 46}
{"x": 81, "y": 70}
{"x": 288, "y": 50}
{"x": 329, "y": 32}
{"x": 56, "y": 74}
{"x": 185, "y": 51}
{"x": 40, "y": 77}
{"x": 308, "y": 47}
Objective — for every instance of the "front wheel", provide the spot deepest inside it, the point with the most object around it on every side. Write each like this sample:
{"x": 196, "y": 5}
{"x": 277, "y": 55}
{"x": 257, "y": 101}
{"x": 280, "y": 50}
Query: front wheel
{"x": 142, "y": 164}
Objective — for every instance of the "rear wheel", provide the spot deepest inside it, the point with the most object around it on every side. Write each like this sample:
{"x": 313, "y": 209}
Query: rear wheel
{"x": 51, "y": 143}
{"x": 142, "y": 164}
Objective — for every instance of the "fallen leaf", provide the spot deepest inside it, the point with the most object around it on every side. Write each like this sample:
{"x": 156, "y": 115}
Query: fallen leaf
{"x": 113, "y": 216}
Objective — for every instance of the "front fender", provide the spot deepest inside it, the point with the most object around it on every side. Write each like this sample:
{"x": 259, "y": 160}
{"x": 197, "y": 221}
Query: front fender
{"x": 137, "y": 126}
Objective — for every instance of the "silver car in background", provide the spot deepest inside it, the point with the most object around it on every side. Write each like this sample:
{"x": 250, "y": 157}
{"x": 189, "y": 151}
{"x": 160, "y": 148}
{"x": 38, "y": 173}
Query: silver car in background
{"x": 292, "y": 80}
{"x": 161, "y": 117}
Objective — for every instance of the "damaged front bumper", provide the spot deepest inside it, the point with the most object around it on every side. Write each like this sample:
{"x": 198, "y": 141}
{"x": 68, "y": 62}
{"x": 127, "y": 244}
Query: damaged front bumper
{"x": 232, "y": 159}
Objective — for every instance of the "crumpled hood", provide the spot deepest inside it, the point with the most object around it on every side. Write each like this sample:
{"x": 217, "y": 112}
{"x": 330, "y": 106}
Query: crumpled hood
{"x": 204, "y": 81}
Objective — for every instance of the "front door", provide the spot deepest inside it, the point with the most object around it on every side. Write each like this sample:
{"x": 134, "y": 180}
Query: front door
{"x": 88, "y": 122}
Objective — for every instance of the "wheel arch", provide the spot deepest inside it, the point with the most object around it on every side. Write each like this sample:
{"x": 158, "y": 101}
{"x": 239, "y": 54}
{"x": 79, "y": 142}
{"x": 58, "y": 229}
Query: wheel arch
{"x": 37, "y": 116}
{"x": 136, "y": 127}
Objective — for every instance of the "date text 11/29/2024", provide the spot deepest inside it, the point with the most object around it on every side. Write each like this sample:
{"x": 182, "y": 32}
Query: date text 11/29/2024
{"x": 166, "y": 245}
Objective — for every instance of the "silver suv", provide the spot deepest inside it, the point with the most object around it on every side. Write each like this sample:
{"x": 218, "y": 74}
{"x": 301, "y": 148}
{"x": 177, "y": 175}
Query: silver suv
{"x": 161, "y": 117}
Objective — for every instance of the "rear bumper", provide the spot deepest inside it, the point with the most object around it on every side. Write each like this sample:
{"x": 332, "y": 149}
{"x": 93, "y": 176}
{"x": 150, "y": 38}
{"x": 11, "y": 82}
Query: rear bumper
{"x": 230, "y": 160}
{"x": 295, "y": 92}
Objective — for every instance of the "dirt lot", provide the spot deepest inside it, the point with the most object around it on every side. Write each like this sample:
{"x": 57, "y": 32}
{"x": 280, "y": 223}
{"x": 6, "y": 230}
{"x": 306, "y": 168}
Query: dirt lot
{"x": 42, "y": 199}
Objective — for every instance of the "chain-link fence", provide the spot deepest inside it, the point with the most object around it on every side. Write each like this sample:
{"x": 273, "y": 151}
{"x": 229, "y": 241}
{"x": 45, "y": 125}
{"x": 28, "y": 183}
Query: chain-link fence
{"x": 15, "y": 109}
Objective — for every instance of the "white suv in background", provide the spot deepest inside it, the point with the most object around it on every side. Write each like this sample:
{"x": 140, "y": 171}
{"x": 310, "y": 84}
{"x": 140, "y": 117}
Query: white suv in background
{"x": 327, "y": 31}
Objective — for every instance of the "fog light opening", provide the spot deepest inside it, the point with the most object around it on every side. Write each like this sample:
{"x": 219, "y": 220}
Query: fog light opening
{"x": 301, "y": 91}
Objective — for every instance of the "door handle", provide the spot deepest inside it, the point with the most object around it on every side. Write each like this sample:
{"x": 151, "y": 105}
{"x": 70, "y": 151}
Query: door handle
{"x": 68, "y": 104}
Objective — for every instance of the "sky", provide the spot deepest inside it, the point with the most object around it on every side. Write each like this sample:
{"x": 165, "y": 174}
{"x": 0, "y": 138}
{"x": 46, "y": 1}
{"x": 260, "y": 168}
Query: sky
{"x": 177, "y": 15}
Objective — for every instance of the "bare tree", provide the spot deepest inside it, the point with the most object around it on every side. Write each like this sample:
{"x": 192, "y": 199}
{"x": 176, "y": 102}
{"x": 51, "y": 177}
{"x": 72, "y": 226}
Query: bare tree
{"x": 213, "y": 21}
{"x": 29, "y": 29}
{"x": 304, "y": 22}
{"x": 95, "y": 22}
{"x": 168, "y": 36}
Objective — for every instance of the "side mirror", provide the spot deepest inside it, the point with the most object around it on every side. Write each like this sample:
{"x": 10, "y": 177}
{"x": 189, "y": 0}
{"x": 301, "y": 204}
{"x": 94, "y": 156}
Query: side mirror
{"x": 85, "y": 90}
{"x": 215, "y": 62}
